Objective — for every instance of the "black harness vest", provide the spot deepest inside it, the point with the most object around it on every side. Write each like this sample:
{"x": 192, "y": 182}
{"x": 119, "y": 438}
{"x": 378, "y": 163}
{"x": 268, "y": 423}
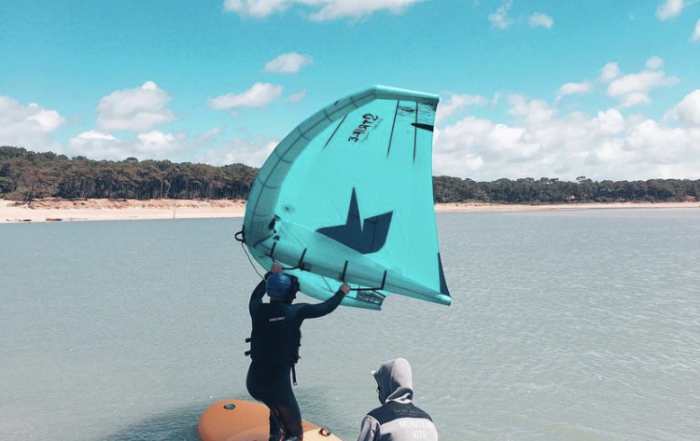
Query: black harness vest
{"x": 272, "y": 339}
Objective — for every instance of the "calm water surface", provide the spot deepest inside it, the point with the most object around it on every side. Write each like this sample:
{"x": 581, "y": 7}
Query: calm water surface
{"x": 576, "y": 325}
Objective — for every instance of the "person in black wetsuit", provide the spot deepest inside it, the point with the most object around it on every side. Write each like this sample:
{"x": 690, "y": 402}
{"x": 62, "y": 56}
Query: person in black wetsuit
{"x": 274, "y": 350}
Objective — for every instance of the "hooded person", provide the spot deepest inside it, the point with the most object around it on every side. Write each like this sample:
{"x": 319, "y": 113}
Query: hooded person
{"x": 397, "y": 419}
{"x": 274, "y": 347}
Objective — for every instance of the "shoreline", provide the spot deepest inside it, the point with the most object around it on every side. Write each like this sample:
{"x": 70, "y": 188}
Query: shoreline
{"x": 105, "y": 210}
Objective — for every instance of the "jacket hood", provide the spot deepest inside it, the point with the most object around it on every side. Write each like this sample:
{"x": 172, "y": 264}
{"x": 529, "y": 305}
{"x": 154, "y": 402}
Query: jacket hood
{"x": 395, "y": 381}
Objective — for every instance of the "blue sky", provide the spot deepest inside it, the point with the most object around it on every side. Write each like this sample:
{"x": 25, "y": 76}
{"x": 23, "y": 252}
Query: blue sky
{"x": 604, "y": 89}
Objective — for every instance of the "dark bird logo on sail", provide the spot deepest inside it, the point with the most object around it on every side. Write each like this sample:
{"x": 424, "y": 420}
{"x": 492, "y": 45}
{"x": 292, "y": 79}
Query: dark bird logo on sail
{"x": 360, "y": 133}
{"x": 367, "y": 238}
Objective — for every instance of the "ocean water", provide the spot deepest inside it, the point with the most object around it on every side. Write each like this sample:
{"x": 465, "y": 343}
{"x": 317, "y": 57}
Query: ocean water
{"x": 571, "y": 325}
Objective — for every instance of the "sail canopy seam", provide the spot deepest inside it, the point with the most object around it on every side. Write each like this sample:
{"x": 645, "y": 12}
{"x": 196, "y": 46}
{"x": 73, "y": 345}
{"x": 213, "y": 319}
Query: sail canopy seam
{"x": 393, "y": 125}
{"x": 335, "y": 131}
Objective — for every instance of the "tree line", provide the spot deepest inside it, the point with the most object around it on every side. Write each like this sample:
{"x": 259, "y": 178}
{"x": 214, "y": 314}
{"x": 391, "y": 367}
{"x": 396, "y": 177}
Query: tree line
{"x": 553, "y": 191}
{"x": 26, "y": 175}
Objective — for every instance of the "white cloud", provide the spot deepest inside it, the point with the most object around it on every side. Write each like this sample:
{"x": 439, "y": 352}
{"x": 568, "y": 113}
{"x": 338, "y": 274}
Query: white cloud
{"x": 209, "y": 145}
{"x": 209, "y": 133}
{"x": 256, "y": 8}
{"x": 634, "y": 99}
{"x": 609, "y": 72}
{"x": 323, "y": 10}
{"x": 46, "y": 120}
{"x": 260, "y": 95}
{"x": 695, "y": 36}
{"x": 134, "y": 110}
{"x": 288, "y": 63}
{"x": 28, "y": 126}
{"x": 532, "y": 112}
{"x": 334, "y": 9}
{"x": 540, "y": 19}
{"x": 655, "y": 63}
{"x": 608, "y": 122}
{"x": 500, "y": 19}
{"x": 455, "y": 103}
{"x": 210, "y": 148}
{"x": 94, "y": 135}
{"x": 688, "y": 110}
{"x": 671, "y": 8}
{"x": 297, "y": 96}
{"x": 633, "y": 89}
{"x": 151, "y": 145}
{"x": 157, "y": 143}
{"x": 655, "y": 145}
{"x": 238, "y": 150}
{"x": 540, "y": 142}
{"x": 97, "y": 145}
{"x": 574, "y": 88}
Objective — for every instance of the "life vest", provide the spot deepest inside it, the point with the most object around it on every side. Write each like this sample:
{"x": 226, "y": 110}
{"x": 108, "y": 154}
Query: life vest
{"x": 272, "y": 339}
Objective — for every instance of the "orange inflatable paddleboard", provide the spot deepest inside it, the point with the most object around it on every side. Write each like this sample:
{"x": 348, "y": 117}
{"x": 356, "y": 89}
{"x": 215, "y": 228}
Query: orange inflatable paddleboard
{"x": 240, "y": 420}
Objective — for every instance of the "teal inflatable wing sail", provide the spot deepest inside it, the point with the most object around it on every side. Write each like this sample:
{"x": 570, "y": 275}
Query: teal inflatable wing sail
{"x": 348, "y": 196}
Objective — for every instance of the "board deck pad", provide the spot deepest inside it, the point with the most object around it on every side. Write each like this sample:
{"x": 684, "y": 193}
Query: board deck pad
{"x": 240, "y": 420}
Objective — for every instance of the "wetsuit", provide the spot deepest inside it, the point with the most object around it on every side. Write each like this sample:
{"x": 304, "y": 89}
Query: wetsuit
{"x": 274, "y": 349}
{"x": 398, "y": 419}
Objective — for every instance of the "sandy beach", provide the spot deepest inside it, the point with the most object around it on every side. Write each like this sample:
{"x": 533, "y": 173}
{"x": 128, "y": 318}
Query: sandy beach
{"x": 469, "y": 206}
{"x": 103, "y": 209}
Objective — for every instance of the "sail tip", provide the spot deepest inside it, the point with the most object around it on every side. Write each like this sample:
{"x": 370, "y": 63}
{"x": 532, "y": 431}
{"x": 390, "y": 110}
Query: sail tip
{"x": 444, "y": 300}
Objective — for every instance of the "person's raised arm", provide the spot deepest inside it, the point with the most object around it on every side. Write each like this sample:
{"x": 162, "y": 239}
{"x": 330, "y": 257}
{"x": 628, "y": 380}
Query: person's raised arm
{"x": 259, "y": 291}
{"x": 325, "y": 307}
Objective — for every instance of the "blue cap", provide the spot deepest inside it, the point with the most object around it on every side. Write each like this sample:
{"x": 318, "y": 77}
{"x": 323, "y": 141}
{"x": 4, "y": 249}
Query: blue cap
{"x": 279, "y": 285}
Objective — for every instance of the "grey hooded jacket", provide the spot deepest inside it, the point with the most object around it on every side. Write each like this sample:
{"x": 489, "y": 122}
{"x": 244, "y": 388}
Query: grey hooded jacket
{"x": 397, "y": 419}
